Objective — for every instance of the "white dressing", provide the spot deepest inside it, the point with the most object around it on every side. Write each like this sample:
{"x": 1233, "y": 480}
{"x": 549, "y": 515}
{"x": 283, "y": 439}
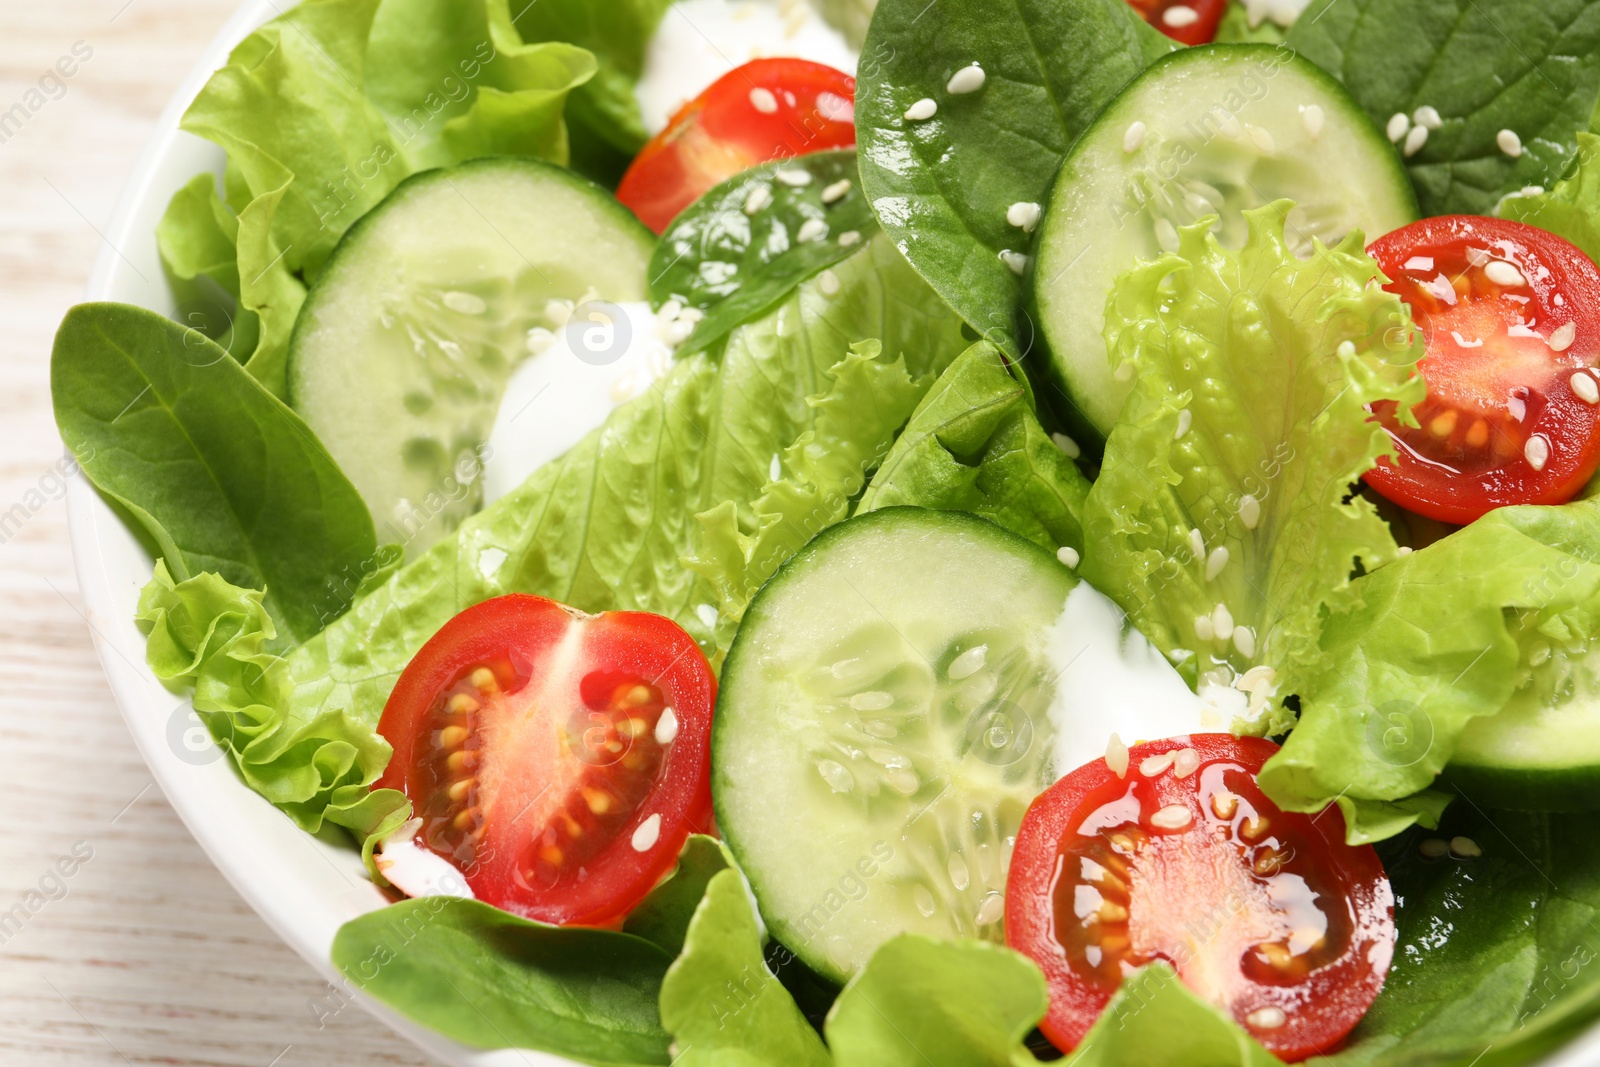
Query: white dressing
{"x": 416, "y": 871}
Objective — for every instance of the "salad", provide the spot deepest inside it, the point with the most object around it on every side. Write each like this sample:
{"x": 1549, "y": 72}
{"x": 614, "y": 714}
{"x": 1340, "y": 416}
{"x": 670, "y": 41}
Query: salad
{"x": 899, "y": 533}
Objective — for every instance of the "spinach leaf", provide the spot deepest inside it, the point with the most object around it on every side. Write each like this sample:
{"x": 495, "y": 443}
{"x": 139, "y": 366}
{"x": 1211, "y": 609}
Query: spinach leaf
{"x": 218, "y": 472}
{"x": 719, "y": 997}
{"x": 492, "y": 980}
{"x": 663, "y": 916}
{"x": 737, "y": 252}
{"x": 942, "y": 186}
{"x": 1529, "y": 66}
{"x": 974, "y": 444}
{"x": 1571, "y": 208}
{"x": 926, "y": 1003}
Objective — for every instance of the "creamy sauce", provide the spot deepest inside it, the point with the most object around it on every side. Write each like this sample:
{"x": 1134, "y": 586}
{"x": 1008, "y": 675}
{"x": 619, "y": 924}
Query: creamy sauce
{"x": 416, "y": 871}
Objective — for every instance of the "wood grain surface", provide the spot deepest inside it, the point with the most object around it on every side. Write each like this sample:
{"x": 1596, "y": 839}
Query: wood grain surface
{"x": 143, "y": 954}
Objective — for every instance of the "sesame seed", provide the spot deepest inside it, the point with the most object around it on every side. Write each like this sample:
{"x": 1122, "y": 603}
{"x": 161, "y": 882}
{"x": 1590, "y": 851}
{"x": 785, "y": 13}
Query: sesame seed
{"x": 835, "y": 192}
{"x": 1133, "y": 137}
{"x": 829, "y": 284}
{"x": 1262, "y": 139}
{"x": 1434, "y": 848}
{"x": 1312, "y": 117}
{"x": 1222, "y": 622}
{"x": 1427, "y": 116}
{"x": 648, "y": 833}
{"x": 1179, "y": 16}
{"x": 1249, "y": 511}
{"x": 1024, "y": 214}
{"x": 1562, "y": 336}
{"x": 706, "y": 614}
{"x": 775, "y": 468}
{"x": 1509, "y": 143}
{"x": 1117, "y": 756}
{"x": 666, "y": 727}
{"x": 1155, "y": 766}
{"x": 968, "y": 79}
{"x": 1068, "y": 556}
{"x": 759, "y": 199}
{"x": 922, "y": 110}
{"x": 1464, "y": 848}
{"x": 1166, "y": 235}
{"x": 1503, "y": 274}
{"x": 1404, "y": 550}
{"x": 763, "y": 101}
{"x": 1185, "y": 420}
{"x": 1215, "y": 562}
{"x": 1123, "y": 373}
{"x": 991, "y": 909}
{"x": 1197, "y": 545}
{"x": 1422, "y": 263}
{"x": 849, "y": 238}
{"x": 1259, "y": 677}
{"x": 1244, "y": 639}
{"x": 1399, "y": 126}
{"x": 1017, "y": 261}
{"x": 811, "y": 230}
{"x": 1185, "y": 763}
{"x": 1584, "y": 388}
{"x": 1173, "y": 816}
{"x": 1537, "y": 451}
{"x": 1203, "y": 628}
{"x": 794, "y": 177}
{"x": 1067, "y": 445}
{"x": 1268, "y": 1018}
{"x": 1415, "y": 140}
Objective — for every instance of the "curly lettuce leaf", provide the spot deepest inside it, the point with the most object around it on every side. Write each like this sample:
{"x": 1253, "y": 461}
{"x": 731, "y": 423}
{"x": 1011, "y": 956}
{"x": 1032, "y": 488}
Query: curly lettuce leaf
{"x": 608, "y": 526}
{"x": 1426, "y": 646}
{"x": 1224, "y": 505}
{"x": 719, "y": 998}
{"x": 975, "y": 444}
{"x": 326, "y": 108}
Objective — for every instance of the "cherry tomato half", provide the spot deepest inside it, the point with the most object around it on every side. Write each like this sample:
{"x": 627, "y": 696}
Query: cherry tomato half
{"x": 1185, "y": 21}
{"x": 1511, "y": 315}
{"x": 767, "y": 109}
{"x": 559, "y": 759}
{"x": 1267, "y": 914}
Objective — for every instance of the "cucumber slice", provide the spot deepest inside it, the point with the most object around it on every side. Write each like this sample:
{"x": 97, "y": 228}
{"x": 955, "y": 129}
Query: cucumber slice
{"x": 896, "y": 697}
{"x": 1203, "y": 131}
{"x": 406, "y": 341}
{"x": 1542, "y": 751}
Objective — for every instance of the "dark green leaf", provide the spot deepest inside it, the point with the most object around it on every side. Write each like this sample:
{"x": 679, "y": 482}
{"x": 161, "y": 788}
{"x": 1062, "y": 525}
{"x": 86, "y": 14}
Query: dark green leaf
{"x": 1531, "y": 66}
{"x": 974, "y": 444}
{"x": 942, "y": 187}
{"x": 663, "y": 916}
{"x": 492, "y": 980}
{"x": 735, "y": 265}
{"x": 220, "y": 474}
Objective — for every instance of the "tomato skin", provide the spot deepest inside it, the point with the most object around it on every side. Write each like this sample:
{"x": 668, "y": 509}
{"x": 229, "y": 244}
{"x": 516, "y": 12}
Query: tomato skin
{"x": 533, "y": 753}
{"x": 1489, "y": 397}
{"x": 722, "y": 132}
{"x": 1207, "y": 17}
{"x": 1202, "y": 897}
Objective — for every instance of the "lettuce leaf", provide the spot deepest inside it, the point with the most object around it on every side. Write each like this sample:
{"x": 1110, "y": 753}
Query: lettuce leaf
{"x": 1427, "y": 646}
{"x": 327, "y": 108}
{"x": 1570, "y": 208}
{"x": 1224, "y": 503}
{"x": 975, "y": 444}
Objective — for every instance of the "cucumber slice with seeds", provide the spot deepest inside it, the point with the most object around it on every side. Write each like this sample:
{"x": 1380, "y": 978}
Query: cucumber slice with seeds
{"x": 885, "y": 718}
{"x": 405, "y": 344}
{"x": 1212, "y": 130}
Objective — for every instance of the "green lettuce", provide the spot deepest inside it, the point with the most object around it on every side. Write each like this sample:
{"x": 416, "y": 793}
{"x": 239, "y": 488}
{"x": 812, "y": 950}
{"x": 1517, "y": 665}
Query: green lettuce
{"x": 1570, "y": 208}
{"x": 1224, "y": 503}
{"x": 1428, "y": 645}
{"x": 327, "y": 108}
{"x": 975, "y": 444}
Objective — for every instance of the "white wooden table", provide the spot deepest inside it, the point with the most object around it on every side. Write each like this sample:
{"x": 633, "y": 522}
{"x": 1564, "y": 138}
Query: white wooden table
{"x": 145, "y": 954}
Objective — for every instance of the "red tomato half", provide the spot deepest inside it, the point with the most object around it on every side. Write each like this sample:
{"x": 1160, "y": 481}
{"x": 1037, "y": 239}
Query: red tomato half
{"x": 1511, "y": 315}
{"x": 559, "y": 759}
{"x": 1267, "y": 914}
{"x": 1185, "y": 21}
{"x": 767, "y": 109}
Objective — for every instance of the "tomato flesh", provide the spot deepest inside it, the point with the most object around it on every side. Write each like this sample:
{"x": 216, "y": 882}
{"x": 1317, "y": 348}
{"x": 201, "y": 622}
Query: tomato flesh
{"x": 558, "y": 759}
{"x": 1185, "y": 21}
{"x": 1511, "y": 318}
{"x": 767, "y": 109}
{"x": 1265, "y": 913}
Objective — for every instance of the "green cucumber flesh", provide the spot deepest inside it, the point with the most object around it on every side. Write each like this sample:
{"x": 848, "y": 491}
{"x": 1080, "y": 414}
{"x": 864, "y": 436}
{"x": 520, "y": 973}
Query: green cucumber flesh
{"x": 403, "y": 349}
{"x": 1212, "y": 130}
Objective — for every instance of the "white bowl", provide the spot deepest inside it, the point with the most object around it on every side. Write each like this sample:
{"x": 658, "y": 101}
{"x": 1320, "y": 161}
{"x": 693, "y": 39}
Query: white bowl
{"x": 303, "y": 888}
